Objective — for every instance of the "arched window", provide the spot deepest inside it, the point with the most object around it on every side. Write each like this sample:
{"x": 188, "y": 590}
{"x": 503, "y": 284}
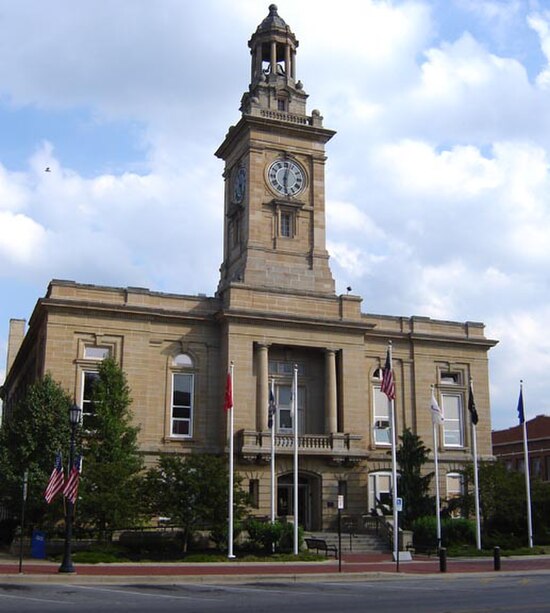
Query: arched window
{"x": 183, "y": 393}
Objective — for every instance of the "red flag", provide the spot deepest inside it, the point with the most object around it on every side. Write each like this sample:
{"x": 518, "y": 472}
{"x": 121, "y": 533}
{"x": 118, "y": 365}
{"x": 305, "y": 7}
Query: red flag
{"x": 56, "y": 481}
{"x": 228, "y": 403}
{"x": 388, "y": 384}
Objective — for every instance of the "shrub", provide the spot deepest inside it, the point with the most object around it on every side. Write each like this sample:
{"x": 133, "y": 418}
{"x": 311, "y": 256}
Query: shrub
{"x": 454, "y": 532}
{"x": 263, "y": 534}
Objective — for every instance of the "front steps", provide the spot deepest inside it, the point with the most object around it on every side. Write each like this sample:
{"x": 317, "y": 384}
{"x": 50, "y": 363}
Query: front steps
{"x": 358, "y": 543}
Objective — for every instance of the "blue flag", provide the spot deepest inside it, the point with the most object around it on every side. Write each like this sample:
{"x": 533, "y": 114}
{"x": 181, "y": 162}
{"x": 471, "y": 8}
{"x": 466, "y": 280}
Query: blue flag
{"x": 521, "y": 413}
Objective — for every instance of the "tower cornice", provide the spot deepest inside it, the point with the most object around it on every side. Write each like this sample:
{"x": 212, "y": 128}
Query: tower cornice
{"x": 247, "y": 123}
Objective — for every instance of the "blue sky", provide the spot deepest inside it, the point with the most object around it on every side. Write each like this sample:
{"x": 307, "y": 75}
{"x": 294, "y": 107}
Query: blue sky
{"x": 438, "y": 181}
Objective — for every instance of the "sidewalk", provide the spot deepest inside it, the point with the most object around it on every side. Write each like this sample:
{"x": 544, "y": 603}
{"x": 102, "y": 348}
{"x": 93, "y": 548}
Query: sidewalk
{"x": 354, "y": 567}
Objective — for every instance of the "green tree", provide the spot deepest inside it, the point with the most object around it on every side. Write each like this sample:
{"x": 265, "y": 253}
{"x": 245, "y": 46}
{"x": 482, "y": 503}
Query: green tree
{"x": 109, "y": 490}
{"x": 503, "y": 504}
{"x": 30, "y": 437}
{"x": 193, "y": 491}
{"x": 413, "y": 486}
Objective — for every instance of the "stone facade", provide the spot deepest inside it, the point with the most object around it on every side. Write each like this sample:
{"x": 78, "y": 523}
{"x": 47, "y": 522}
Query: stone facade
{"x": 275, "y": 307}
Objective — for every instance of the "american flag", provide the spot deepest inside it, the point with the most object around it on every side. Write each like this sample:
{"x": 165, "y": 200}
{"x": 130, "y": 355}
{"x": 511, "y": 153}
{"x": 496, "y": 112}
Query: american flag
{"x": 56, "y": 481}
{"x": 272, "y": 410}
{"x": 388, "y": 384}
{"x": 70, "y": 491}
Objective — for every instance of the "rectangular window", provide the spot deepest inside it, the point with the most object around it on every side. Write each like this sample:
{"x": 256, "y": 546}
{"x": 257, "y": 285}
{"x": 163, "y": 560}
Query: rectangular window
{"x": 284, "y": 368}
{"x": 536, "y": 468}
{"x": 254, "y": 493}
{"x": 283, "y": 398}
{"x": 87, "y": 405}
{"x": 380, "y": 492}
{"x": 381, "y": 417}
{"x": 96, "y": 353}
{"x": 453, "y": 425}
{"x": 182, "y": 404}
{"x": 287, "y": 229}
{"x": 450, "y": 378}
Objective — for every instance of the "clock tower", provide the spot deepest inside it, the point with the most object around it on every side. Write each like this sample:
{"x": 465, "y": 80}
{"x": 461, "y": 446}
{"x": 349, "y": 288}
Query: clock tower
{"x": 274, "y": 223}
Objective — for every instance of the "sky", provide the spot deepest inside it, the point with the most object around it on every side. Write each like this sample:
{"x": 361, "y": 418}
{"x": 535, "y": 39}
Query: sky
{"x": 438, "y": 180}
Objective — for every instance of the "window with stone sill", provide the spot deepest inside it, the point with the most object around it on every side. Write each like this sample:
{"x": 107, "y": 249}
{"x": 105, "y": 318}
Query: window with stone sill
{"x": 89, "y": 377}
{"x": 380, "y": 412}
{"x": 94, "y": 352}
{"x": 182, "y": 397}
{"x": 287, "y": 224}
{"x": 380, "y": 491}
{"x": 453, "y": 411}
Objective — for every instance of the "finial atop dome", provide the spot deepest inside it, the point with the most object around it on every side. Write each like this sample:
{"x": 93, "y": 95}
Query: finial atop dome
{"x": 272, "y": 21}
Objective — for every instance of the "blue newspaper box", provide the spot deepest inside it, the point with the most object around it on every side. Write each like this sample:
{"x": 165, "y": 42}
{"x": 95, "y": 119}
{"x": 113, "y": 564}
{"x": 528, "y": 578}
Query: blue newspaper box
{"x": 38, "y": 545}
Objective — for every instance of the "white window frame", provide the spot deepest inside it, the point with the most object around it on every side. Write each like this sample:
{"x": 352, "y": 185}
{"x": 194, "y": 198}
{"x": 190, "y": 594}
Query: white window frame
{"x": 453, "y": 426}
{"x": 381, "y": 417}
{"x": 176, "y": 420}
{"x": 86, "y": 404}
{"x": 96, "y": 352}
{"x": 284, "y": 409}
{"x": 378, "y": 485}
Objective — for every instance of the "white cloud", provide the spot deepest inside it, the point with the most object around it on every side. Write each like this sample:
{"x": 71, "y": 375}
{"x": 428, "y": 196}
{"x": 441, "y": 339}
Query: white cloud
{"x": 541, "y": 25}
{"x": 12, "y": 190}
{"x": 21, "y": 240}
{"x": 460, "y": 173}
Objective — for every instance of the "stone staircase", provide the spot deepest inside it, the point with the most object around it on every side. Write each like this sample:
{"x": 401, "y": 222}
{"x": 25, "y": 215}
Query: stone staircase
{"x": 357, "y": 543}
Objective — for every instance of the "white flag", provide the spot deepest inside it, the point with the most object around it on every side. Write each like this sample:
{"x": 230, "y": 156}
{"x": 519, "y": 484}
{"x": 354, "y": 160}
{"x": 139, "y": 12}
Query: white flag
{"x": 437, "y": 413}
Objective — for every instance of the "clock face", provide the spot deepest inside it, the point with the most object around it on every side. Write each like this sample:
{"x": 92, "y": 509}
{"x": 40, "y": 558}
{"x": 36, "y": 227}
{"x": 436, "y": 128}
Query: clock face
{"x": 286, "y": 177}
{"x": 239, "y": 184}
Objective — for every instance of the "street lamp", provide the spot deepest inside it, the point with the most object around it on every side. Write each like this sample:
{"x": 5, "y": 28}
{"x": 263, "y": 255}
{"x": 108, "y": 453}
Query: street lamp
{"x": 67, "y": 564}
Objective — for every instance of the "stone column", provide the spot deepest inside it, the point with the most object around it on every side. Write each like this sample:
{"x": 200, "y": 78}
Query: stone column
{"x": 331, "y": 415}
{"x": 293, "y": 70}
{"x": 288, "y": 65}
{"x": 273, "y": 58}
{"x": 262, "y": 397}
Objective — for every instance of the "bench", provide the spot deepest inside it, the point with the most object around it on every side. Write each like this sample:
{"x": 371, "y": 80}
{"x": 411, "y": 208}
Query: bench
{"x": 321, "y": 545}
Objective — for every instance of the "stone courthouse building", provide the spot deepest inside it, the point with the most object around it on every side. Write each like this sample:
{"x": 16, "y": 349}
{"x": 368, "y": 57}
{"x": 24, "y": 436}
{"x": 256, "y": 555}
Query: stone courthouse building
{"x": 275, "y": 306}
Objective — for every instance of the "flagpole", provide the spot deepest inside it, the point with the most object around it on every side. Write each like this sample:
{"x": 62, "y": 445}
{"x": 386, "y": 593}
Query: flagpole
{"x": 273, "y": 421}
{"x": 476, "y": 475}
{"x": 526, "y": 465}
{"x": 295, "y": 423}
{"x": 231, "y": 423}
{"x": 436, "y": 469}
{"x": 394, "y": 471}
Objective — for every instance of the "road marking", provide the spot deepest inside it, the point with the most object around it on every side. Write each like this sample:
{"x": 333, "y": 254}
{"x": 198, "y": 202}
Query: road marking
{"x": 17, "y": 597}
{"x": 131, "y": 592}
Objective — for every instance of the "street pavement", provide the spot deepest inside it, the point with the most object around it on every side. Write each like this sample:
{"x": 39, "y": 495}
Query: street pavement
{"x": 353, "y": 567}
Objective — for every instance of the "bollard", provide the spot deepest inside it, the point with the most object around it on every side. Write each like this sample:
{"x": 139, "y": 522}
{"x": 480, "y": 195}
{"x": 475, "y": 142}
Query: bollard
{"x": 443, "y": 560}
{"x": 496, "y": 558}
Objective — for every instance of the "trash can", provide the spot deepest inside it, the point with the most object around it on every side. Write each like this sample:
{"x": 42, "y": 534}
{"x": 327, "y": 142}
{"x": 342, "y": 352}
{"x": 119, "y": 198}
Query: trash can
{"x": 38, "y": 544}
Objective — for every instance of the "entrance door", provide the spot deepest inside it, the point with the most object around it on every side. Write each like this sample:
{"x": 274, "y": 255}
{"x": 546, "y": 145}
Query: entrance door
{"x": 285, "y": 499}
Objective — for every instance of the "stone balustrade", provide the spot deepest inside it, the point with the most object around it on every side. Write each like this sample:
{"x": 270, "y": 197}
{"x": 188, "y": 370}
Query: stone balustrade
{"x": 336, "y": 447}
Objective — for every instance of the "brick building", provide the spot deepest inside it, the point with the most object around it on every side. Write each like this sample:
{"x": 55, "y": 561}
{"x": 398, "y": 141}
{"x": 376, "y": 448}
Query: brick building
{"x": 508, "y": 447}
{"x": 275, "y": 306}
